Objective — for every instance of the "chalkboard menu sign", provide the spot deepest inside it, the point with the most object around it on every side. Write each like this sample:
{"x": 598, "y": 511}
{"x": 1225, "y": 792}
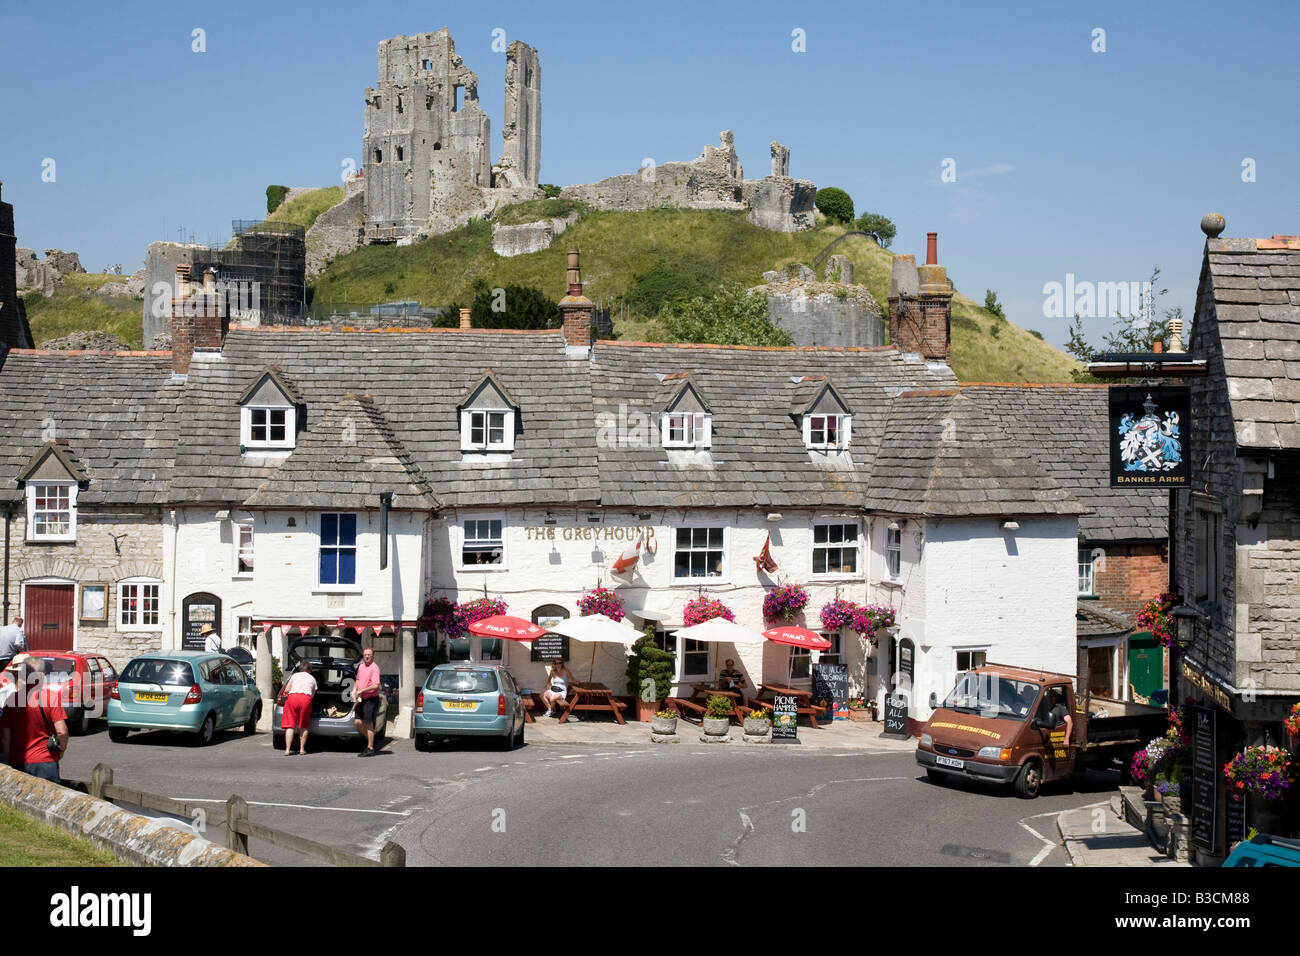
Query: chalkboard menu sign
{"x": 197, "y": 610}
{"x": 550, "y": 646}
{"x": 785, "y": 717}
{"x": 1204, "y": 788}
{"x": 1236, "y": 818}
{"x": 831, "y": 689}
{"x": 906, "y": 663}
{"x": 895, "y": 717}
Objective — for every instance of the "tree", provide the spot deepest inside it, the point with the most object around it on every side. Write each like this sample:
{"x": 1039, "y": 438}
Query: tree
{"x": 274, "y": 196}
{"x": 992, "y": 306}
{"x": 731, "y": 316}
{"x": 835, "y": 204}
{"x": 880, "y": 227}
{"x": 1132, "y": 333}
{"x": 512, "y": 307}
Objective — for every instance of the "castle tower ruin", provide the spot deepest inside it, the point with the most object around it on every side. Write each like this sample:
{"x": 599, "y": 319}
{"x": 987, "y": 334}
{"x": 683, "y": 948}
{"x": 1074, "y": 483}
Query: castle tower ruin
{"x": 521, "y": 158}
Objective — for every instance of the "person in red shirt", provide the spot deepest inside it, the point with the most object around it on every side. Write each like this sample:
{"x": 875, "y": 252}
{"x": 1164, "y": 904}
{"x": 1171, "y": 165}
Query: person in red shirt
{"x": 367, "y": 698}
{"x": 29, "y": 722}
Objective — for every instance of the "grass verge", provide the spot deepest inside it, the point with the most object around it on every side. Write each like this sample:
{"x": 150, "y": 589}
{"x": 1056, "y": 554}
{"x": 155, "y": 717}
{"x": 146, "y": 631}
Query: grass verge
{"x": 28, "y": 842}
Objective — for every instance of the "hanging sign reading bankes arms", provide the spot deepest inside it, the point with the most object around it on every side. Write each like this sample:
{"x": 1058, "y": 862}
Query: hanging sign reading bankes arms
{"x": 1149, "y": 426}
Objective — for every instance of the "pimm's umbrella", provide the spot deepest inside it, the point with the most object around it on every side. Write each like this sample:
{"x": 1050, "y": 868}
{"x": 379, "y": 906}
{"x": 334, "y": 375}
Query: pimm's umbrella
{"x": 798, "y": 637}
{"x": 510, "y": 628}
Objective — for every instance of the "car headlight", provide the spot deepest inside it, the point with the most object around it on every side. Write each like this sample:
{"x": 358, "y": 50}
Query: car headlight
{"x": 995, "y": 753}
{"x": 927, "y": 740}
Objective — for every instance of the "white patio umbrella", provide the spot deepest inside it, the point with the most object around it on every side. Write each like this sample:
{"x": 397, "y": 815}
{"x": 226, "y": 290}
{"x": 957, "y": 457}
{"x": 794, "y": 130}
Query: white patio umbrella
{"x": 718, "y": 630}
{"x": 597, "y": 629}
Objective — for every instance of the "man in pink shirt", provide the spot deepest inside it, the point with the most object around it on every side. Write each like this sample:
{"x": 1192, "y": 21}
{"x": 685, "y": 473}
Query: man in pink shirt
{"x": 366, "y": 694}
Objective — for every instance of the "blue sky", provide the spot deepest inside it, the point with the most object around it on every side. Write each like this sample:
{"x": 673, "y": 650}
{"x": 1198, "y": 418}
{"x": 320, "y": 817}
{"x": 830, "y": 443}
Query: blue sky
{"x": 1098, "y": 164}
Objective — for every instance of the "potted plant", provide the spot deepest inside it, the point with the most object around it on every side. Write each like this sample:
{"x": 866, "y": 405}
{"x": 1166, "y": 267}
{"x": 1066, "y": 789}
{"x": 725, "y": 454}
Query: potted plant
{"x": 664, "y": 722}
{"x": 757, "y": 723}
{"x": 649, "y": 674}
{"x": 717, "y": 716}
{"x": 859, "y": 710}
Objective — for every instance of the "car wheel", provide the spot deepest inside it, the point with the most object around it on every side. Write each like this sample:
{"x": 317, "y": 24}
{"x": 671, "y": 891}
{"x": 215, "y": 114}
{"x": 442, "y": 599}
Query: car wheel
{"x": 519, "y": 740}
{"x": 251, "y": 726}
{"x": 207, "y": 731}
{"x": 508, "y": 742}
{"x": 1030, "y": 780}
{"x": 936, "y": 776}
{"x": 279, "y": 741}
{"x": 422, "y": 743}
{"x": 79, "y": 721}
{"x": 118, "y": 734}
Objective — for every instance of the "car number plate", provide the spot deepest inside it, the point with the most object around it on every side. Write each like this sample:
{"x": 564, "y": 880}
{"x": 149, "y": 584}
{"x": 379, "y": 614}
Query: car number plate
{"x": 459, "y": 705}
{"x": 950, "y": 762}
{"x": 151, "y": 698}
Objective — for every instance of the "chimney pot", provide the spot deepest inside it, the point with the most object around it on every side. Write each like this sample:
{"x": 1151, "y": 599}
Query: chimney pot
{"x": 1175, "y": 335}
{"x": 210, "y": 280}
{"x": 465, "y": 318}
{"x": 573, "y": 277}
{"x": 931, "y": 248}
{"x": 182, "y": 281}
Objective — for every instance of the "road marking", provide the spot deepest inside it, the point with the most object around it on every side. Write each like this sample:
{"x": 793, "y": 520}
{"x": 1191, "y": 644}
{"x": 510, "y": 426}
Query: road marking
{"x": 1048, "y": 845}
{"x": 572, "y": 757}
{"x": 483, "y": 769}
{"x": 294, "y": 806}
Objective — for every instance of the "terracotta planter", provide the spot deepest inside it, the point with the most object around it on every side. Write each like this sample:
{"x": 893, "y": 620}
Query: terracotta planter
{"x": 860, "y": 715}
{"x": 717, "y": 726}
{"x": 646, "y": 710}
{"x": 663, "y": 725}
{"x": 756, "y": 728}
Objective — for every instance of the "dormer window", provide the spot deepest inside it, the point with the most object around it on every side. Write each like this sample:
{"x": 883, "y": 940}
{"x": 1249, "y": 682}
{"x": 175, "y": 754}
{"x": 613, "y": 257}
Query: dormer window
{"x": 52, "y": 511}
{"x": 269, "y": 427}
{"x": 268, "y": 414}
{"x": 487, "y": 417}
{"x": 687, "y": 429}
{"x": 826, "y": 432}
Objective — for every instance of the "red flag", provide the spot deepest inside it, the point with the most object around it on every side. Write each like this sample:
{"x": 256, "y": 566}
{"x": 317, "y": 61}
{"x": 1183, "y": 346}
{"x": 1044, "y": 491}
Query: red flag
{"x": 628, "y": 559}
{"x": 764, "y": 562}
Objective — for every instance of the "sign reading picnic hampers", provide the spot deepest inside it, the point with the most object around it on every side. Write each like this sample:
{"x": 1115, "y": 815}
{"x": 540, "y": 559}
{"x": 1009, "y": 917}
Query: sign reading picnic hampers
{"x": 785, "y": 717}
{"x": 1148, "y": 436}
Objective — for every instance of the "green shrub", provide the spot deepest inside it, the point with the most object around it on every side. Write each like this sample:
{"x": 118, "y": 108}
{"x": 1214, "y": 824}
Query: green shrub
{"x": 649, "y": 662}
{"x": 835, "y": 204}
{"x": 995, "y": 329}
{"x": 1035, "y": 333}
{"x": 732, "y": 316}
{"x": 880, "y": 227}
{"x": 992, "y": 306}
{"x": 274, "y": 196}
{"x": 513, "y": 307}
{"x": 551, "y": 190}
{"x": 717, "y": 706}
{"x": 679, "y": 277}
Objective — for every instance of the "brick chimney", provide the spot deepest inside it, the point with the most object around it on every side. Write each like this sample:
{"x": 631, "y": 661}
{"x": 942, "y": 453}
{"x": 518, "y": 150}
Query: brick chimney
{"x": 199, "y": 322}
{"x": 920, "y": 304}
{"x": 577, "y": 311}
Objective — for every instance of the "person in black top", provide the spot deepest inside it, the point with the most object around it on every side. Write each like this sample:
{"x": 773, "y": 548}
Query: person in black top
{"x": 729, "y": 678}
{"x": 1058, "y": 714}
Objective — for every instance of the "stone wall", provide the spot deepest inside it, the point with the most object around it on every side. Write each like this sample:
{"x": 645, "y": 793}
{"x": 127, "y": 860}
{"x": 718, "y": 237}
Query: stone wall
{"x": 529, "y": 236}
{"x": 782, "y": 204}
{"x": 823, "y": 318}
{"x": 110, "y": 547}
{"x": 714, "y": 180}
{"x": 521, "y": 156}
{"x": 1267, "y": 570}
{"x": 160, "y": 262}
{"x": 336, "y": 232}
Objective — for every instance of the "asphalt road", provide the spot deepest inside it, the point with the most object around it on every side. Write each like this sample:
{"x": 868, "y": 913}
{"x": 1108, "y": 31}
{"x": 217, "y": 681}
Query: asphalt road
{"x": 684, "y": 804}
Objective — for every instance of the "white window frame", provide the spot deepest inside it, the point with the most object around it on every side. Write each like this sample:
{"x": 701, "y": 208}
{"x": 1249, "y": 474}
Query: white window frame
{"x": 835, "y": 653}
{"x": 467, "y": 426}
{"x": 238, "y": 526}
{"x": 1087, "y": 573}
{"x": 1205, "y": 568}
{"x": 857, "y": 544}
{"x": 290, "y": 427}
{"x": 973, "y": 649}
{"x": 799, "y": 653}
{"x": 695, "y": 429}
{"x": 503, "y": 564}
{"x": 135, "y": 585}
{"x": 893, "y": 554}
{"x": 72, "y": 489}
{"x": 726, "y": 554}
{"x": 244, "y": 632}
{"x": 843, "y": 432}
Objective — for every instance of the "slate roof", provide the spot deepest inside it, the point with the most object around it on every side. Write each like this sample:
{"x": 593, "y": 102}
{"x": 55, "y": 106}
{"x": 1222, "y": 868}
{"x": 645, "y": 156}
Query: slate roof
{"x": 416, "y": 379}
{"x": 1094, "y": 620}
{"x": 115, "y": 410}
{"x": 953, "y": 452}
{"x": 757, "y": 457}
{"x": 1255, "y": 289}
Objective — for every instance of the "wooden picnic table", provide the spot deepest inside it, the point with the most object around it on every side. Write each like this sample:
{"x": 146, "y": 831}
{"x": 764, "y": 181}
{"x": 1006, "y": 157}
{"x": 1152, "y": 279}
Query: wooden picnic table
{"x": 592, "y": 697}
{"x": 696, "y": 703}
{"x": 708, "y": 690}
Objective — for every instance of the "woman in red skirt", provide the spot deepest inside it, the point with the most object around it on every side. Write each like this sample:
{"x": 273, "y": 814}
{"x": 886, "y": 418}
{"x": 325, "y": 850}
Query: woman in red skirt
{"x": 297, "y": 708}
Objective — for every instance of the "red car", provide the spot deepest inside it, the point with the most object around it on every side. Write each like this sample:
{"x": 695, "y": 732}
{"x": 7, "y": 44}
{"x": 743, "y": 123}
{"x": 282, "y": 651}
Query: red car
{"x": 86, "y": 681}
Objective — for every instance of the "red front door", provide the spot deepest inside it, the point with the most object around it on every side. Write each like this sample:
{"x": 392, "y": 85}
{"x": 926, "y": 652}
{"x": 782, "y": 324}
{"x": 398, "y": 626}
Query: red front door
{"x": 48, "y": 621}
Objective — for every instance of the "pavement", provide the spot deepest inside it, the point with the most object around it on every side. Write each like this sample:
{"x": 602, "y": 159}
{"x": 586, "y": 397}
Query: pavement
{"x": 838, "y": 735}
{"x": 1100, "y": 836}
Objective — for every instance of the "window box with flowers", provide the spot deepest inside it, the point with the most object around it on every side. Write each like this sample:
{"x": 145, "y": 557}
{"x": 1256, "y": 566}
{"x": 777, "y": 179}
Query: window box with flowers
{"x": 783, "y": 602}
{"x": 602, "y": 601}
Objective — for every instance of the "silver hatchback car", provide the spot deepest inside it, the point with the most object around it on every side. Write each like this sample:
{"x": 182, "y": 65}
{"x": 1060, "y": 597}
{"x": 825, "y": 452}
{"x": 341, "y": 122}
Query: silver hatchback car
{"x": 334, "y": 662}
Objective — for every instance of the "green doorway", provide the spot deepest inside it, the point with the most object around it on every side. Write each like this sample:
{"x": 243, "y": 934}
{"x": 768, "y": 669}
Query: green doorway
{"x": 1146, "y": 664}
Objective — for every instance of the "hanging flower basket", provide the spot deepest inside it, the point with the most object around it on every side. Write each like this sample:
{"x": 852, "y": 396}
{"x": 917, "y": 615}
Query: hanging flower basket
{"x": 476, "y": 610}
{"x": 868, "y": 620}
{"x": 704, "y": 608}
{"x": 837, "y": 613}
{"x": 783, "y": 602}
{"x": 1155, "y": 617}
{"x": 602, "y": 601}
{"x": 1266, "y": 771}
{"x": 439, "y": 615}
{"x": 1292, "y": 721}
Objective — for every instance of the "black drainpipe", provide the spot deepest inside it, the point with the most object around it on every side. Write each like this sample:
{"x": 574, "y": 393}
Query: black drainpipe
{"x": 9, "y": 511}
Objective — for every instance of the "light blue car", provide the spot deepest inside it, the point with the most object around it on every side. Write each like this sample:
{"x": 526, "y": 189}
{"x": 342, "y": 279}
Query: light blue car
{"x": 191, "y": 691}
{"x": 469, "y": 700}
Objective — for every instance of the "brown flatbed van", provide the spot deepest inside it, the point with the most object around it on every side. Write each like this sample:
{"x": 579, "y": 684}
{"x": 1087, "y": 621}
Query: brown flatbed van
{"x": 1022, "y": 728}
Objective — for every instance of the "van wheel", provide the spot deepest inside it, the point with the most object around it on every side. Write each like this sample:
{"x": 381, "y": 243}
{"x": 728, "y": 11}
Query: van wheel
{"x": 1030, "y": 780}
{"x": 936, "y": 776}
{"x": 118, "y": 734}
{"x": 251, "y": 726}
{"x": 206, "y": 732}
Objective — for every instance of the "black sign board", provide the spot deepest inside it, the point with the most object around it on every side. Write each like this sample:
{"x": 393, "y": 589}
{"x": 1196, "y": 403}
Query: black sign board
{"x": 1149, "y": 429}
{"x": 550, "y": 646}
{"x": 1236, "y": 818}
{"x": 895, "y": 716}
{"x": 1205, "y": 789}
{"x": 831, "y": 688}
{"x": 906, "y": 664}
{"x": 197, "y": 610}
{"x": 785, "y": 717}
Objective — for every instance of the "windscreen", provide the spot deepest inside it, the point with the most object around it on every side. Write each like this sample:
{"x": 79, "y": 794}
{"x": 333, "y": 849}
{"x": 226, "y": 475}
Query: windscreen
{"x": 57, "y": 670}
{"x": 463, "y": 681}
{"x": 149, "y": 670}
{"x": 993, "y": 696}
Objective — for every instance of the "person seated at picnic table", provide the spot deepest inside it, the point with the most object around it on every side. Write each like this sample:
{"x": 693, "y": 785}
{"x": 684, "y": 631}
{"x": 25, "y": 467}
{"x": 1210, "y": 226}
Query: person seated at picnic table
{"x": 558, "y": 679}
{"x": 729, "y": 678}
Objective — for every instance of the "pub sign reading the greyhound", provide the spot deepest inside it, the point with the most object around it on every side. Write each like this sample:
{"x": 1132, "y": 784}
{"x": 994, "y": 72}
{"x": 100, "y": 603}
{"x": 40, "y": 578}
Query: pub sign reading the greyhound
{"x": 1149, "y": 426}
